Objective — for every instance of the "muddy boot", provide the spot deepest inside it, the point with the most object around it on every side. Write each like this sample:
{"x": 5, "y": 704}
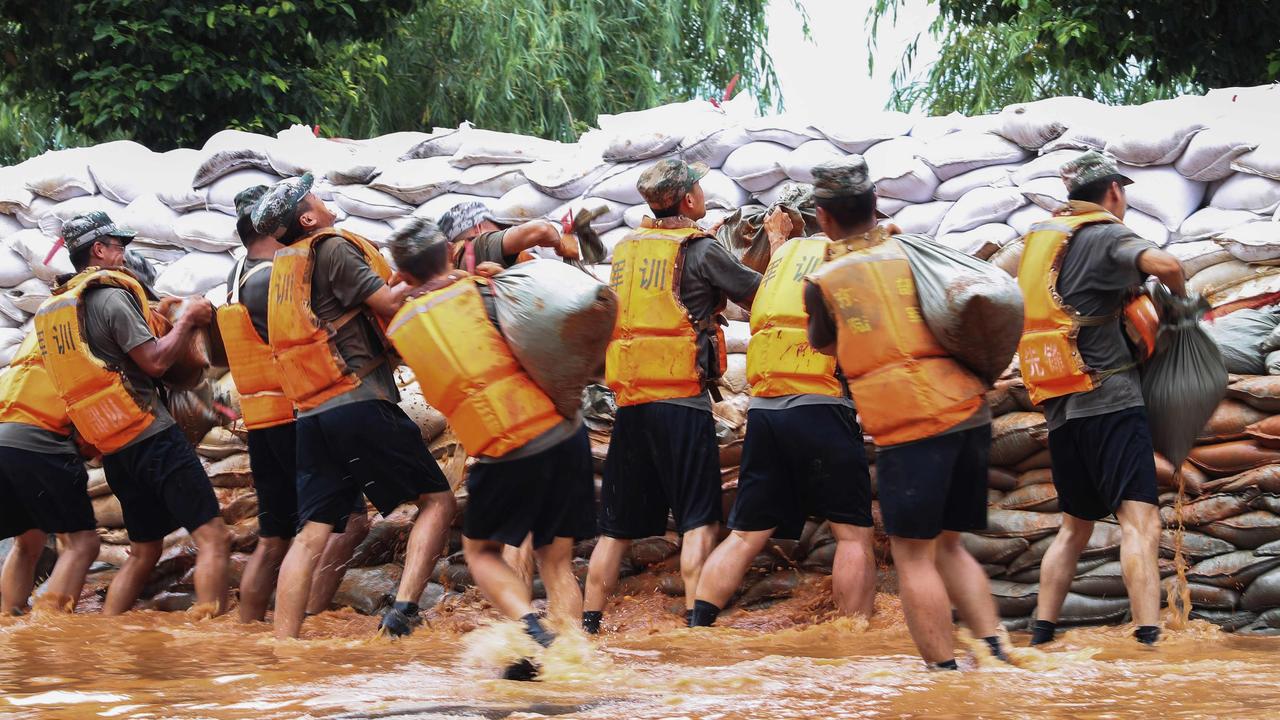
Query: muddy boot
{"x": 522, "y": 671}
{"x": 400, "y": 620}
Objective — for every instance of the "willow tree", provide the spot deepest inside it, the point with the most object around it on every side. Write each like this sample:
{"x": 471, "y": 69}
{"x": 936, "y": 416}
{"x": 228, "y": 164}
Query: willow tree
{"x": 550, "y": 67}
{"x": 996, "y": 52}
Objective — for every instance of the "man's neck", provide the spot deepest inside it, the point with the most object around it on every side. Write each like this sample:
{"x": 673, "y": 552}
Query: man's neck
{"x": 263, "y": 250}
{"x": 862, "y": 235}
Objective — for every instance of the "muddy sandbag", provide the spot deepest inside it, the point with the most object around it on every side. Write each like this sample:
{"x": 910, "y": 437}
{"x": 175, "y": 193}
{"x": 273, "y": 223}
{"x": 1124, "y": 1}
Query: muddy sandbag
{"x": 1205, "y": 510}
{"x": 1183, "y": 382}
{"x": 779, "y": 585}
{"x": 1085, "y": 610}
{"x": 1269, "y": 549}
{"x": 1039, "y": 476}
{"x": 1242, "y": 337}
{"x": 973, "y": 308}
{"x": 230, "y": 472}
{"x": 1230, "y": 421}
{"x": 1017, "y": 436}
{"x": 743, "y": 233}
{"x": 1000, "y": 400}
{"x": 1193, "y": 479}
{"x": 1009, "y": 257}
{"x": 193, "y": 411}
{"x": 189, "y": 368}
{"x": 108, "y": 512}
{"x": 1020, "y": 523}
{"x": 558, "y": 321}
{"x": 1041, "y": 497}
{"x": 1261, "y": 392}
{"x": 1263, "y": 593}
{"x": 993, "y": 550}
{"x": 1230, "y": 458}
{"x": 1246, "y": 530}
{"x": 1105, "y": 581}
{"x": 1030, "y": 559}
{"x": 1265, "y": 432}
{"x": 1205, "y": 596}
{"x": 1042, "y": 460}
{"x": 1228, "y": 620}
{"x": 1014, "y": 599}
{"x": 1196, "y": 546}
{"x": 1232, "y": 570}
{"x": 1001, "y": 479}
{"x": 1270, "y": 503}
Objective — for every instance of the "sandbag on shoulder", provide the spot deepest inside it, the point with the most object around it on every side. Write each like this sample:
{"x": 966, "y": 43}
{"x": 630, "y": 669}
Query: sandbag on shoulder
{"x": 973, "y": 308}
{"x": 558, "y": 321}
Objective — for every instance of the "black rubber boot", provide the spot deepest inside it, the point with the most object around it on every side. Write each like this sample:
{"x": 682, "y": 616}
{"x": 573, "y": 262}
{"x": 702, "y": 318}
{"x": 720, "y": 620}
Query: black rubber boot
{"x": 591, "y": 621}
{"x": 1147, "y": 634}
{"x": 1042, "y": 631}
{"x": 522, "y": 671}
{"x": 997, "y": 650}
{"x": 944, "y": 665}
{"x": 703, "y": 614}
{"x": 400, "y": 620}
{"x": 533, "y": 628}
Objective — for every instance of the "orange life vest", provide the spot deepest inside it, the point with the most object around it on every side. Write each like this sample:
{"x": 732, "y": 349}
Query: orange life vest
{"x": 253, "y": 369}
{"x": 1048, "y": 352}
{"x": 312, "y": 371}
{"x": 467, "y": 371}
{"x": 779, "y": 358}
{"x": 98, "y": 397}
{"x": 905, "y": 385}
{"x": 27, "y": 394}
{"x": 654, "y": 351}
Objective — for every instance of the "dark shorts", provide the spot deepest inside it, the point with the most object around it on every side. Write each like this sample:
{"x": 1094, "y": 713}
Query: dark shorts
{"x": 662, "y": 459}
{"x": 368, "y": 447}
{"x": 802, "y": 461}
{"x": 43, "y": 491}
{"x": 273, "y": 459}
{"x": 161, "y": 486}
{"x": 1101, "y": 461}
{"x": 550, "y": 494}
{"x": 935, "y": 484}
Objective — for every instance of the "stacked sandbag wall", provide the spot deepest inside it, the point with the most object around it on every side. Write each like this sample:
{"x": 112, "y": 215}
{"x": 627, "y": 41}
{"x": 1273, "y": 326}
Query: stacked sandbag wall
{"x": 1207, "y": 172}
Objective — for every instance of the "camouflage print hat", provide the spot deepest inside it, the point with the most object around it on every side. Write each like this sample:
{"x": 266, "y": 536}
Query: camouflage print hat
{"x": 667, "y": 181}
{"x": 847, "y": 176}
{"x": 247, "y": 200}
{"x": 1090, "y": 167}
{"x": 84, "y": 230}
{"x": 276, "y": 208}
{"x": 462, "y": 217}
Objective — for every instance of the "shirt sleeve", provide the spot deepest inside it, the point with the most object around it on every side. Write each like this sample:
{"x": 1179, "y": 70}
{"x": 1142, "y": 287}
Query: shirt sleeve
{"x": 719, "y": 268}
{"x": 488, "y": 247}
{"x": 123, "y": 318}
{"x": 350, "y": 277}
{"x": 822, "y": 329}
{"x": 1123, "y": 247}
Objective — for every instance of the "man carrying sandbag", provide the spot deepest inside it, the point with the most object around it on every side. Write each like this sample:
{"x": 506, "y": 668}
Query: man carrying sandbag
{"x": 1077, "y": 272}
{"x": 924, "y": 410}
{"x": 476, "y": 237}
{"x": 672, "y": 279}
{"x": 269, "y": 419}
{"x": 329, "y": 301}
{"x": 96, "y": 336}
{"x": 803, "y": 452}
{"x": 533, "y": 474}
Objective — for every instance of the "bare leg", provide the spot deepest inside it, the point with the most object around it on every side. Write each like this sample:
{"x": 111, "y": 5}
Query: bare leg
{"x": 967, "y": 585}
{"x": 853, "y": 574}
{"x": 602, "y": 574}
{"x": 213, "y": 555}
{"x": 79, "y": 551}
{"x": 19, "y": 575}
{"x": 555, "y": 565}
{"x": 723, "y": 571}
{"x": 501, "y": 584}
{"x": 696, "y": 545}
{"x": 127, "y": 584}
{"x": 335, "y": 560}
{"x": 259, "y": 577}
{"x": 1139, "y": 559}
{"x": 521, "y": 559}
{"x": 1058, "y": 568}
{"x": 924, "y": 598}
{"x": 296, "y": 572}
{"x": 426, "y": 542}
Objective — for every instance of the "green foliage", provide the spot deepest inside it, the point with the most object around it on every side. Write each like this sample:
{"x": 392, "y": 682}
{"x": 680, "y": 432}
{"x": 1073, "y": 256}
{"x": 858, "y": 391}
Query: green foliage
{"x": 26, "y": 131}
{"x": 992, "y": 53}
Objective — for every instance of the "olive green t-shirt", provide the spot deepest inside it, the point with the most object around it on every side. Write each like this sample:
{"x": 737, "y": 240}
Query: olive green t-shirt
{"x": 487, "y": 248}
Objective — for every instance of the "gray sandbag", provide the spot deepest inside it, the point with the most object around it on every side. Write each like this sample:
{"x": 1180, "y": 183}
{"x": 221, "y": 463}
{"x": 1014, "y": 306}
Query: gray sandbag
{"x": 1233, "y": 570}
{"x": 973, "y": 308}
{"x": 1183, "y": 382}
{"x": 994, "y": 550}
{"x": 558, "y": 321}
{"x": 1196, "y": 546}
{"x": 1263, "y": 593}
{"x": 743, "y": 234}
{"x": 1243, "y": 337}
{"x": 1014, "y": 599}
{"x": 1247, "y": 530}
{"x": 1273, "y": 362}
{"x": 1106, "y": 580}
{"x": 1085, "y": 610}
{"x": 1228, "y": 620}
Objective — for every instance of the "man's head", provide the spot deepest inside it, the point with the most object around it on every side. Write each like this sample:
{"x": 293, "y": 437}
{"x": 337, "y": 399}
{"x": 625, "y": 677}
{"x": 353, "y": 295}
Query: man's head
{"x": 1094, "y": 177}
{"x": 420, "y": 251}
{"x": 671, "y": 189}
{"x": 93, "y": 240}
{"x": 845, "y": 196}
{"x": 466, "y": 220}
{"x": 246, "y": 203}
{"x": 291, "y": 205}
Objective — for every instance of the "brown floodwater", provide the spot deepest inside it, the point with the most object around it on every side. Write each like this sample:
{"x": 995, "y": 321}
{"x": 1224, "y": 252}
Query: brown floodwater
{"x": 792, "y": 660}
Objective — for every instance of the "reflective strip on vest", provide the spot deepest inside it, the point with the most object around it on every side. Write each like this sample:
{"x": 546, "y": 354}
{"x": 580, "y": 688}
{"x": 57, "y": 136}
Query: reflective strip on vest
{"x": 311, "y": 370}
{"x": 98, "y": 398}
{"x": 780, "y": 360}
{"x": 654, "y": 351}
{"x": 27, "y": 394}
{"x": 467, "y": 371}
{"x": 1048, "y": 353}
{"x": 905, "y": 385}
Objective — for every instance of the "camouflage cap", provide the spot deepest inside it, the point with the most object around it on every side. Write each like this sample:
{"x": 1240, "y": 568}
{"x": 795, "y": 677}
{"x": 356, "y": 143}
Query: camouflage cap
{"x": 247, "y": 200}
{"x": 83, "y": 230}
{"x": 1090, "y": 167}
{"x": 842, "y": 177}
{"x": 667, "y": 181}
{"x": 277, "y": 206}
{"x": 462, "y": 217}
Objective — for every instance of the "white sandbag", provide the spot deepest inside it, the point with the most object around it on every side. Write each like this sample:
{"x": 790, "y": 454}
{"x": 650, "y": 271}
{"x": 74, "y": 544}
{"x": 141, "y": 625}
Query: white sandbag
{"x": 151, "y": 219}
{"x": 217, "y": 295}
{"x": 634, "y": 215}
{"x": 207, "y": 231}
{"x": 232, "y": 150}
{"x": 13, "y": 316}
{"x": 377, "y": 232}
{"x": 1226, "y": 275}
{"x": 960, "y": 152}
{"x": 1047, "y": 192}
{"x": 1255, "y": 242}
{"x": 994, "y": 176}
{"x": 490, "y": 147}
{"x": 922, "y": 218}
{"x": 1146, "y": 226}
{"x": 1264, "y": 161}
{"x": 29, "y": 216}
{"x": 898, "y": 172}
{"x": 800, "y": 163}
{"x": 159, "y": 255}
{"x": 195, "y": 274}
{"x": 14, "y": 194}
{"x": 757, "y": 166}
{"x": 619, "y": 183}
{"x": 929, "y": 128}
{"x": 722, "y": 192}
{"x": 651, "y": 133}
{"x": 1243, "y": 191}
{"x": 59, "y": 174}
{"x": 1048, "y": 165}
{"x": 174, "y": 171}
{"x": 442, "y": 142}
{"x": 1198, "y": 255}
{"x": 124, "y": 170}
{"x": 29, "y": 295}
{"x": 1163, "y": 193}
{"x": 297, "y": 150}
{"x": 1157, "y": 133}
{"x": 491, "y": 180}
{"x": 855, "y": 132}
{"x": 1024, "y": 217}
{"x": 14, "y": 269}
{"x": 1032, "y": 125}
{"x": 392, "y": 145}
{"x": 713, "y": 146}
{"x": 9, "y": 225}
{"x": 34, "y": 246}
{"x": 890, "y": 206}
{"x": 981, "y": 242}
{"x": 51, "y": 221}
{"x": 610, "y": 240}
{"x": 1209, "y": 155}
{"x": 981, "y": 206}
{"x": 10, "y": 340}
{"x": 523, "y": 203}
{"x": 223, "y": 191}
{"x": 1209, "y": 221}
{"x": 417, "y": 181}
{"x": 790, "y": 129}
{"x": 366, "y": 202}
{"x": 436, "y": 207}
{"x": 565, "y": 179}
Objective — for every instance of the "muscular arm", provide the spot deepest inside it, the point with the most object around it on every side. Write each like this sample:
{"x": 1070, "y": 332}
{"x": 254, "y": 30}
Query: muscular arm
{"x": 1165, "y": 268}
{"x": 156, "y": 356}
{"x": 535, "y": 233}
{"x": 386, "y": 301}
